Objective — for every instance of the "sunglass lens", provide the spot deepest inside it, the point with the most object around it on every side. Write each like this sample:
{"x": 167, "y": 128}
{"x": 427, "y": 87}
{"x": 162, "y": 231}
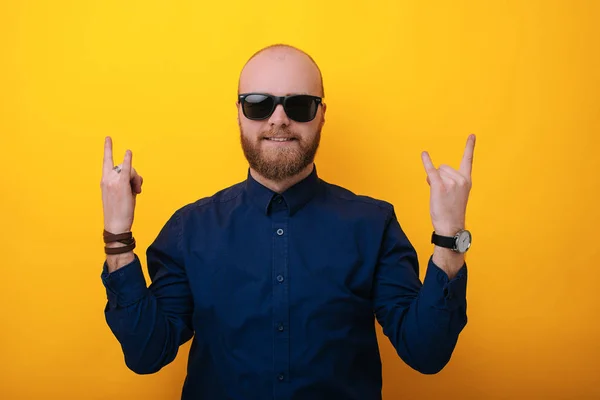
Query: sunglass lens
{"x": 257, "y": 106}
{"x": 301, "y": 108}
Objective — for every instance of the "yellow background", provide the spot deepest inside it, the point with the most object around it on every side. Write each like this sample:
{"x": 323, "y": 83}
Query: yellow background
{"x": 400, "y": 77}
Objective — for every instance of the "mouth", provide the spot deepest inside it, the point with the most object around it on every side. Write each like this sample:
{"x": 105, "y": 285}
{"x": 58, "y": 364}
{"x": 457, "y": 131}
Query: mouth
{"x": 279, "y": 139}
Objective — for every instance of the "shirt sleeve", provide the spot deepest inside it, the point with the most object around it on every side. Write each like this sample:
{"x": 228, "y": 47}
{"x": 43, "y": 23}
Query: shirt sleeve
{"x": 151, "y": 322}
{"x": 421, "y": 320}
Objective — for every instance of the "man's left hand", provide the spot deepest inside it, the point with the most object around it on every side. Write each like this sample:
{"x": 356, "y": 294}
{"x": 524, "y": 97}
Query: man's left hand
{"x": 448, "y": 200}
{"x": 449, "y": 191}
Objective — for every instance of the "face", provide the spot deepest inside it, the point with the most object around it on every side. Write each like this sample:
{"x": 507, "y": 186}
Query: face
{"x": 280, "y": 72}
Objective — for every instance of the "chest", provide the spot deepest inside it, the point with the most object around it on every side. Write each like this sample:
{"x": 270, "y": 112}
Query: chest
{"x": 308, "y": 265}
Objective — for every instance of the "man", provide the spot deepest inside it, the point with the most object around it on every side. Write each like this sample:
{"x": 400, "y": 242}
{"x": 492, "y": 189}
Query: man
{"x": 279, "y": 278}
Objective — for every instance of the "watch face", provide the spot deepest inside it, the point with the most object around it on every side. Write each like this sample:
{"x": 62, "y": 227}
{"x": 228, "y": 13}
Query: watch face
{"x": 463, "y": 242}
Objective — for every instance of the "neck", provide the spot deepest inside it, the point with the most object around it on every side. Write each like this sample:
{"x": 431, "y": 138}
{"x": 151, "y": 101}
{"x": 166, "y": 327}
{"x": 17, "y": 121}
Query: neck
{"x": 282, "y": 186}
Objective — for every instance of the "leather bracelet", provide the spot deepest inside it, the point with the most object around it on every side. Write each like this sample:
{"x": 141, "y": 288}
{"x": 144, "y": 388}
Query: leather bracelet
{"x": 125, "y": 238}
{"x": 121, "y": 249}
{"x": 112, "y": 237}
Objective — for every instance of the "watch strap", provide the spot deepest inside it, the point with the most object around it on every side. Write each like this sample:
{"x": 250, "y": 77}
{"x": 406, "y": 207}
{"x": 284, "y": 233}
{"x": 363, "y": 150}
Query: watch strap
{"x": 443, "y": 241}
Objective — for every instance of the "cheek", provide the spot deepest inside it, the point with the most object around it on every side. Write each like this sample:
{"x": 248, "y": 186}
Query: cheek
{"x": 307, "y": 131}
{"x": 250, "y": 129}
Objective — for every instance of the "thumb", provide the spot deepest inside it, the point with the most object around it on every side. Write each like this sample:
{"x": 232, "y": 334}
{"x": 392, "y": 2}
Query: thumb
{"x": 136, "y": 182}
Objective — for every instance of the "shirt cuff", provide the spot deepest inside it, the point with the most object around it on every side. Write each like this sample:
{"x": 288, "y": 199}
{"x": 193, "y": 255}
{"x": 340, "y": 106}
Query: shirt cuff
{"x": 441, "y": 292}
{"x": 125, "y": 286}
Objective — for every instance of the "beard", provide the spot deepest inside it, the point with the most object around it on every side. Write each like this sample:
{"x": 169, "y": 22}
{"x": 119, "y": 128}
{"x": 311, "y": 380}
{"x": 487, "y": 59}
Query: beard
{"x": 280, "y": 163}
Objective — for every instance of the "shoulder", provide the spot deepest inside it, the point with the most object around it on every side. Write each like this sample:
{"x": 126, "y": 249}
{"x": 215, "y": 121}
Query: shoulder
{"x": 358, "y": 202}
{"x": 221, "y": 198}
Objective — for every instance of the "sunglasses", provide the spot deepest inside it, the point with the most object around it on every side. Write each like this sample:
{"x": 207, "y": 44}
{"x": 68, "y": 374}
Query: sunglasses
{"x": 298, "y": 107}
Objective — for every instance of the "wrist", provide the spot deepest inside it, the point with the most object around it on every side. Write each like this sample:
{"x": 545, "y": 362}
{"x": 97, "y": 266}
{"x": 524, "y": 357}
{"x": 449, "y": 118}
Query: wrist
{"x": 448, "y": 231}
{"x": 119, "y": 249}
{"x": 448, "y": 260}
{"x": 117, "y": 261}
{"x": 116, "y": 229}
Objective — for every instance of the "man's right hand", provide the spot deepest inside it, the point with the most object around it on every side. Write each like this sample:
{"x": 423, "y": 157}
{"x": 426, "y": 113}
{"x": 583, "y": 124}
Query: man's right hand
{"x": 119, "y": 191}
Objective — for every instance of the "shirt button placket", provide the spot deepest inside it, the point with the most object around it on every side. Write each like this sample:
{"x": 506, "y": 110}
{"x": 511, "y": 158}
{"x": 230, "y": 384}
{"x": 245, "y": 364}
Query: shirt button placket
{"x": 281, "y": 348}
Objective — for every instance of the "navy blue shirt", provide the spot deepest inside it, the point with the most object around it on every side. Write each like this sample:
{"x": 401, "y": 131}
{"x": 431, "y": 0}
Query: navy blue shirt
{"x": 280, "y": 293}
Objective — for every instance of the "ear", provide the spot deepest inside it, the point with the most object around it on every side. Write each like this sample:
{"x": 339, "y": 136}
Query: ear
{"x": 324, "y": 108}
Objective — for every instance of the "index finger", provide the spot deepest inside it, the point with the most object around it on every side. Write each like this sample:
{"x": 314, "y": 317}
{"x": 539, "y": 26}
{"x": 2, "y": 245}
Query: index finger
{"x": 432, "y": 172}
{"x": 108, "y": 162}
{"x": 466, "y": 164}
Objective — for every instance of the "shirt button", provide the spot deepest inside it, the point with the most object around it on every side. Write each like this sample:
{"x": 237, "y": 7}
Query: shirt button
{"x": 280, "y": 328}
{"x": 280, "y": 231}
{"x": 280, "y": 377}
{"x": 279, "y": 278}
{"x": 278, "y": 200}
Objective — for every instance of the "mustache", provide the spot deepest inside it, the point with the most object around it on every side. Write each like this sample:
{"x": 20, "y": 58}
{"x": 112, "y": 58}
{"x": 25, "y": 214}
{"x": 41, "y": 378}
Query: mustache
{"x": 279, "y": 133}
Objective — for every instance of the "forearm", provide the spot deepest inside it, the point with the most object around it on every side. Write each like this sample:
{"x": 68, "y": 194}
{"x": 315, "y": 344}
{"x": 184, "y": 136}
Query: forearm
{"x": 149, "y": 340}
{"x": 117, "y": 261}
{"x": 429, "y": 336}
{"x": 448, "y": 261}
{"x": 422, "y": 319}
{"x": 424, "y": 330}
{"x": 148, "y": 329}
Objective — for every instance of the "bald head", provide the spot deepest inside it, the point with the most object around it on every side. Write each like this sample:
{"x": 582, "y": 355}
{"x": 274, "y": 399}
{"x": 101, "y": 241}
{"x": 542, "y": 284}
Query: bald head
{"x": 281, "y": 69}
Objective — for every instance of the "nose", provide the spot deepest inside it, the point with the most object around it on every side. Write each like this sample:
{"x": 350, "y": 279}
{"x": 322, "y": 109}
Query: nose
{"x": 279, "y": 117}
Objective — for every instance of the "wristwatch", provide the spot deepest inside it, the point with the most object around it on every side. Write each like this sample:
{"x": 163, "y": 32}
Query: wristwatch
{"x": 459, "y": 243}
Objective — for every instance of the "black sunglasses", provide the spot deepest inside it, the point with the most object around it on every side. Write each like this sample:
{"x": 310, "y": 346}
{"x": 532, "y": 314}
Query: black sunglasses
{"x": 298, "y": 107}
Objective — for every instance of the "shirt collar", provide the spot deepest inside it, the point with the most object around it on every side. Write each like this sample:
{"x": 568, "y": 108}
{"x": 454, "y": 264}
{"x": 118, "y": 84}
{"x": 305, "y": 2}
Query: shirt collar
{"x": 295, "y": 197}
